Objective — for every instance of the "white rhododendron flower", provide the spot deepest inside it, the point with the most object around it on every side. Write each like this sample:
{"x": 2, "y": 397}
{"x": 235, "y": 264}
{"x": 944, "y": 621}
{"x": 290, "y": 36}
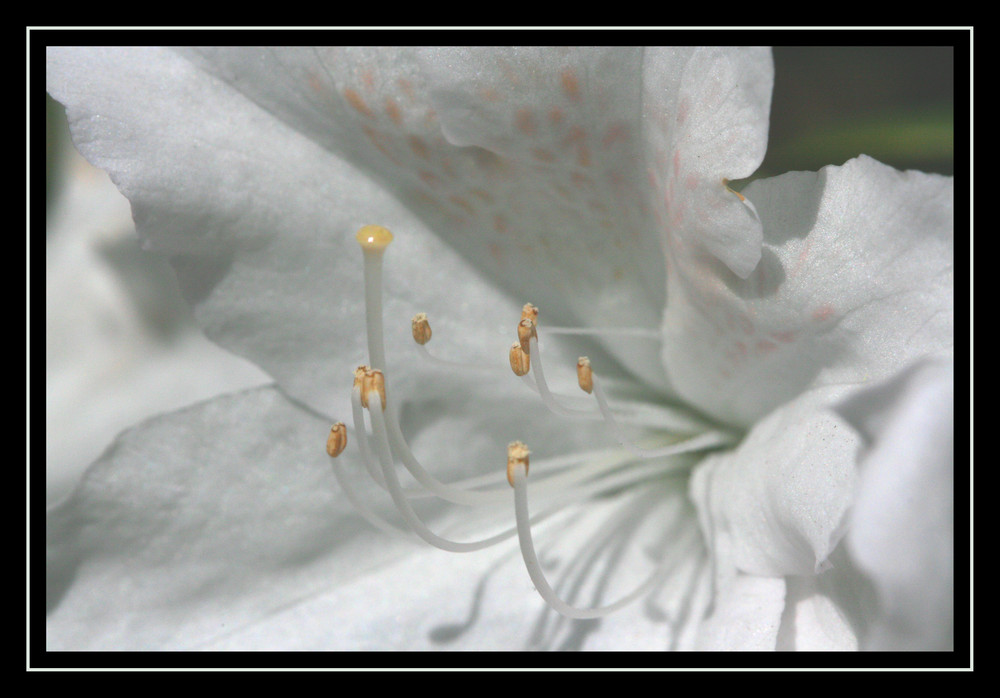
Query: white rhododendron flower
{"x": 759, "y": 368}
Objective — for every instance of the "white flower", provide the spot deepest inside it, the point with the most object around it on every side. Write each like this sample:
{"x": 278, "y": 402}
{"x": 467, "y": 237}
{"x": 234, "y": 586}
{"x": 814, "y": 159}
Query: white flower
{"x": 592, "y": 183}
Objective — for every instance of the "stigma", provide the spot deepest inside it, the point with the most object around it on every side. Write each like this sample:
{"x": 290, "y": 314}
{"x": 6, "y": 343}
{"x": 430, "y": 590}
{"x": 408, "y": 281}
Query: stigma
{"x": 565, "y": 480}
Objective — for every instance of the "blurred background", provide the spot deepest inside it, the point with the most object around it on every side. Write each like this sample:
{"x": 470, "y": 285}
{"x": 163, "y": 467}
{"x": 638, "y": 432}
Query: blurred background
{"x": 120, "y": 343}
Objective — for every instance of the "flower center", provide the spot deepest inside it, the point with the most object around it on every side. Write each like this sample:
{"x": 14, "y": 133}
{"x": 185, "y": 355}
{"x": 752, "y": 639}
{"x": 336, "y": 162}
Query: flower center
{"x": 563, "y": 481}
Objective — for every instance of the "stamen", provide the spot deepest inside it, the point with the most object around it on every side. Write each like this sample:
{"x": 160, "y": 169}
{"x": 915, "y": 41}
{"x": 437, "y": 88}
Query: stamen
{"x": 422, "y": 335}
{"x": 358, "y": 400}
{"x": 336, "y": 442}
{"x": 421, "y": 329}
{"x": 525, "y": 331}
{"x": 335, "y": 445}
{"x": 529, "y": 312}
{"x": 517, "y": 455}
{"x": 744, "y": 200}
{"x": 543, "y": 388}
{"x": 600, "y": 331}
{"x": 584, "y": 374}
{"x": 581, "y": 477}
{"x": 706, "y": 440}
{"x": 520, "y": 360}
{"x": 374, "y": 382}
{"x": 399, "y": 497}
{"x": 520, "y": 484}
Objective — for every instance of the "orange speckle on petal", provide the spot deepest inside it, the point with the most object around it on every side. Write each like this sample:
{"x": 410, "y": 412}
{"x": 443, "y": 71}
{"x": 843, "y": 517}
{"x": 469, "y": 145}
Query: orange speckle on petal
{"x": 381, "y": 141}
{"x": 418, "y": 146}
{"x": 616, "y": 132}
{"x": 462, "y": 204}
{"x": 764, "y": 346}
{"x": 496, "y": 252}
{"x": 428, "y": 178}
{"x": 543, "y": 154}
{"x": 482, "y": 194}
{"x": 823, "y": 312}
{"x": 315, "y": 84}
{"x": 500, "y": 224}
{"x": 406, "y": 87}
{"x": 355, "y": 100}
{"x": 392, "y": 110}
{"x": 570, "y": 84}
{"x": 524, "y": 120}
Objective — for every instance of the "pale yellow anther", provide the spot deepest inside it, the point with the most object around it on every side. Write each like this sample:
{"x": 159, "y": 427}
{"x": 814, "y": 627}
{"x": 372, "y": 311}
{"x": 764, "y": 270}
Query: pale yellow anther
{"x": 725, "y": 183}
{"x": 520, "y": 361}
{"x": 584, "y": 374}
{"x": 336, "y": 442}
{"x": 525, "y": 331}
{"x": 373, "y": 382}
{"x": 359, "y": 376}
{"x": 421, "y": 328}
{"x": 374, "y": 238}
{"x": 517, "y": 454}
{"x": 530, "y": 312}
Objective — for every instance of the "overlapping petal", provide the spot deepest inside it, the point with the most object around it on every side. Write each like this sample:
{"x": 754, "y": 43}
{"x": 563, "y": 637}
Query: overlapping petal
{"x": 902, "y": 527}
{"x": 590, "y": 181}
{"x": 775, "y": 505}
{"x": 854, "y": 284}
{"x": 220, "y": 527}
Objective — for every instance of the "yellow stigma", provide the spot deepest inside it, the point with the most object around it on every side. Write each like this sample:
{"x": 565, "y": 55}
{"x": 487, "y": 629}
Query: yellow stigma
{"x": 374, "y": 238}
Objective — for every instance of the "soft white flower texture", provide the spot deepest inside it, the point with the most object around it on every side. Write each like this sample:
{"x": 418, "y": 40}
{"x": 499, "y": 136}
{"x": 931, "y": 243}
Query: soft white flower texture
{"x": 588, "y": 181}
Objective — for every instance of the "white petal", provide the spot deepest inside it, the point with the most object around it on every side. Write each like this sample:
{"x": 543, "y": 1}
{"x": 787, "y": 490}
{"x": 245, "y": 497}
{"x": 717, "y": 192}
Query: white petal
{"x": 537, "y": 185}
{"x": 706, "y": 112}
{"x": 262, "y": 222}
{"x": 220, "y": 527}
{"x": 902, "y": 524}
{"x": 813, "y": 621}
{"x": 746, "y": 617}
{"x": 195, "y": 523}
{"x": 855, "y": 283}
{"x": 776, "y": 505}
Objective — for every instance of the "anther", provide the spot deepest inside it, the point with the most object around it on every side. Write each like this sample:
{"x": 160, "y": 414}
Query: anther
{"x": 584, "y": 374}
{"x": 529, "y": 312}
{"x": 374, "y": 238}
{"x": 421, "y": 329}
{"x": 373, "y": 382}
{"x": 520, "y": 360}
{"x": 336, "y": 442}
{"x": 359, "y": 383}
{"x": 517, "y": 455}
{"x": 525, "y": 331}
{"x": 725, "y": 183}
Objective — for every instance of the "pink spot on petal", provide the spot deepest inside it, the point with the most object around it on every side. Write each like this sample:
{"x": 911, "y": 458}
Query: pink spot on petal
{"x": 355, "y": 100}
{"x": 823, "y": 312}
{"x": 570, "y": 84}
{"x": 764, "y": 346}
{"x": 615, "y": 133}
{"x": 392, "y": 110}
{"x": 524, "y": 120}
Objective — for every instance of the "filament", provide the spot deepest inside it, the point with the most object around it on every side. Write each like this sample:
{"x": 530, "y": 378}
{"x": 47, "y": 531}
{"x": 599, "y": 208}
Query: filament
{"x": 538, "y": 576}
{"x": 702, "y": 441}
